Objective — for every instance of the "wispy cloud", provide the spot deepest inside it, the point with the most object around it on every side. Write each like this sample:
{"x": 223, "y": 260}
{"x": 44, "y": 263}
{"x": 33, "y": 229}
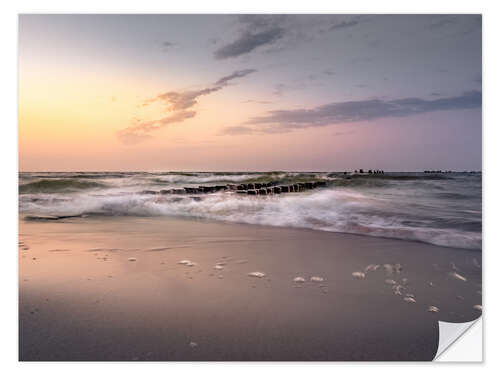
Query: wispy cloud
{"x": 178, "y": 104}
{"x": 339, "y": 134}
{"x": 257, "y": 101}
{"x": 344, "y": 25}
{"x": 352, "y": 111}
{"x": 281, "y": 89}
{"x": 167, "y": 46}
{"x": 256, "y": 31}
{"x": 237, "y": 130}
{"x": 237, "y": 74}
{"x": 280, "y": 31}
{"x": 460, "y": 24}
{"x": 444, "y": 20}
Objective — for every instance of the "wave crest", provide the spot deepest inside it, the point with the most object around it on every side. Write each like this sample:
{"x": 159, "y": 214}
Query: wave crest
{"x": 331, "y": 210}
{"x": 57, "y": 185}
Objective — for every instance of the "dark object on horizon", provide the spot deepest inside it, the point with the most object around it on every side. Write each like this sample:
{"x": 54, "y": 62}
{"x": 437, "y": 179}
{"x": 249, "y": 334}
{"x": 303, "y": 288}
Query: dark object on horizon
{"x": 148, "y": 192}
{"x": 370, "y": 171}
{"x": 277, "y": 190}
{"x": 252, "y": 192}
{"x": 262, "y": 191}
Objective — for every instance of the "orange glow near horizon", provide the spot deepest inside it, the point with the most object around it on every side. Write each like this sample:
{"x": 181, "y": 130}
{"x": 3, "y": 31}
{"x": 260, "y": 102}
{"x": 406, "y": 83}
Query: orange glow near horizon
{"x": 293, "y": 103}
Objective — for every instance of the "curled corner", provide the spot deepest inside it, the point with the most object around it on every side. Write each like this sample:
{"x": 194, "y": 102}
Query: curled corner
{"x": 449, "y": 333}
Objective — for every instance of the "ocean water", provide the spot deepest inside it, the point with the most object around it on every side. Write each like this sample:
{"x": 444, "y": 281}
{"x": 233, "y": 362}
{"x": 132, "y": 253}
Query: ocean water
{"x": 443, "y": 209}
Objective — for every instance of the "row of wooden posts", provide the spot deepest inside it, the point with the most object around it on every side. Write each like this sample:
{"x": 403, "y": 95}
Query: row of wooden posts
{"x": 250, "y": 188}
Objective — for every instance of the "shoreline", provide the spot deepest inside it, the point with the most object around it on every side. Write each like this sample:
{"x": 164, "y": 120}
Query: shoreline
{"x": 51, "y": 218}
{"x": 83, "y": 298}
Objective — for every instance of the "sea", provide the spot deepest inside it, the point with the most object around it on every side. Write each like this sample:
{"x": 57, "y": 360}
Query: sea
{"x": 443, "y": 209}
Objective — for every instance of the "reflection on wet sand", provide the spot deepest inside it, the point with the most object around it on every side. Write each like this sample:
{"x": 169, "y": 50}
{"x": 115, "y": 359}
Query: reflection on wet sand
{"x": 172, "y": 289}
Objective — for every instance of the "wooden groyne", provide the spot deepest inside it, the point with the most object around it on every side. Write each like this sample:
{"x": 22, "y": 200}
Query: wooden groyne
{"x": 249, "y": 188}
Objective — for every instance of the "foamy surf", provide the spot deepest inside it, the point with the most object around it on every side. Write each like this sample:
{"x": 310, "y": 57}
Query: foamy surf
{"x": 442, "y": 210}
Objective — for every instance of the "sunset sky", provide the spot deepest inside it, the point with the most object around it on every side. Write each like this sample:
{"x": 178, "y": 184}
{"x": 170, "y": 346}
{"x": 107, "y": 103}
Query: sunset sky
{"x": 242, "y": 92}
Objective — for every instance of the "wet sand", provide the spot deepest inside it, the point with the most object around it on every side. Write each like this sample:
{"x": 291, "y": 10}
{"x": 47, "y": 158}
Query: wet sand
{"x": 113, "y": 289}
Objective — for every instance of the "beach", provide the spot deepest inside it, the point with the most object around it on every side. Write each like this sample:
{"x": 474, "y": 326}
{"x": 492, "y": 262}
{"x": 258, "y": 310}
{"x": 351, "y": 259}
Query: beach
{"x": 248, "y": 187}
{"x": 112, "y": 288}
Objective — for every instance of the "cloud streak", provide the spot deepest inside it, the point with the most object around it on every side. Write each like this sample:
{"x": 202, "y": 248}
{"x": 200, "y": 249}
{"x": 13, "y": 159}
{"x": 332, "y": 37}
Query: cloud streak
{"x": 343, "y": 25}
{"x": 279, "y": 121}
{"x": 255, "y": 31}
{"x": 179, "y": 104}
{"x": 248, "y": 41}
{"x": 444, "y": 20}
{"x": 259, "y": 31}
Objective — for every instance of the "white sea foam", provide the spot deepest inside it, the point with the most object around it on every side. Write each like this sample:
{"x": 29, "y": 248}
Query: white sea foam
{"x": 381, "y": 213}
{"x": 457, "y": 276}
{"x": 317, "y": 279}
{"x": 257, "y": 274}
{"x": 187, "y": 263}
{"x": 433, "y": 309}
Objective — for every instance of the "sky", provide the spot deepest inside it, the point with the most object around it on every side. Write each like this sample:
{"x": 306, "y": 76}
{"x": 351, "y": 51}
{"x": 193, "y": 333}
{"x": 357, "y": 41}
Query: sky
{"x": 324, "y": 92}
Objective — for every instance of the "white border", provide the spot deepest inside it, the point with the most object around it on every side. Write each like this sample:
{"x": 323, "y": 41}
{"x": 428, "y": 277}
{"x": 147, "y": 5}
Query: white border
{"x": 8, "y": 149}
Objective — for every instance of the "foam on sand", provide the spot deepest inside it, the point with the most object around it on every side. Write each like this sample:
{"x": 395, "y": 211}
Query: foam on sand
{"x": 358, "y": 275}
{"x": 372, "y": 267}
{"x": 478, "y": 307}
{"x": 433, "y": 309}
{"x": 457, "y": 276}
{"x": 317, "y": 279}
{"x": 257, "y": 274}
{"x": 186, "y": 262}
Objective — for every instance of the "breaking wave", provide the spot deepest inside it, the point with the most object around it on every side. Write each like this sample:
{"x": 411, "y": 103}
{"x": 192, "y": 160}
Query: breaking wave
{"x": 441, "y": 211}
{"x": 58, "y": 185}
